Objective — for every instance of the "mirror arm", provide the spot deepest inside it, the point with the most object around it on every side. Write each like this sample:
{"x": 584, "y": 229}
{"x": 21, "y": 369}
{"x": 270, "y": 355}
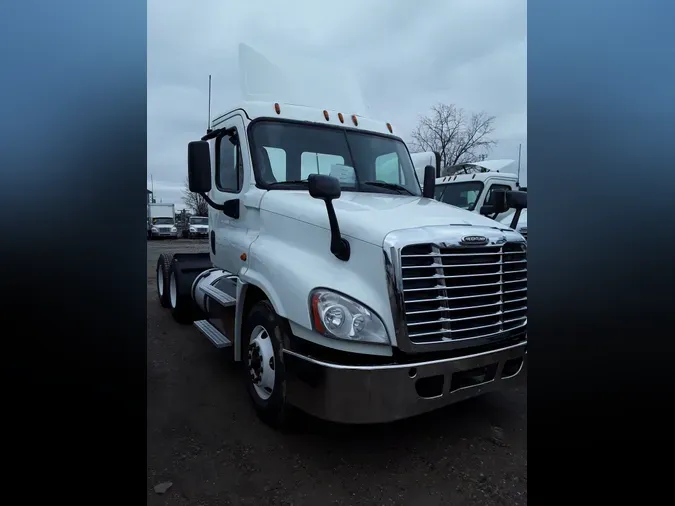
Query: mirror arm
{"x": 339, "y": 246}
{"x": 217, "y": 207}
{"x": 516, "y": 217}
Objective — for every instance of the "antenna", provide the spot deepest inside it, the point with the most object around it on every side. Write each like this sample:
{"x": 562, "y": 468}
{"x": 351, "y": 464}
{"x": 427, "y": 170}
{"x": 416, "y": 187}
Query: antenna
{"x": 518, "y": 177}
{"x": 208, "y": 125}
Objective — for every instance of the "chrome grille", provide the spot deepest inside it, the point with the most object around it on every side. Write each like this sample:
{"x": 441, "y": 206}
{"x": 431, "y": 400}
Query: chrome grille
{"x": 463, "y": 292}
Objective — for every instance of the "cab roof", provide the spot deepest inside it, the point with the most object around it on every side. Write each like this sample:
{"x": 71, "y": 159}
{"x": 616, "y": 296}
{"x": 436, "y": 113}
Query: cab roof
{"x": 478, "y": 176}
{"x": 277, "y": 110}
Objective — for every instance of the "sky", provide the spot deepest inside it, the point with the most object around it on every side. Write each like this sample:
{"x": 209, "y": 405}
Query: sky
{"x": 408, "y": 56}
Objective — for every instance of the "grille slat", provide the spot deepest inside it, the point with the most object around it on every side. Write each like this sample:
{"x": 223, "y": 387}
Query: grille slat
{"x": 474, "y": 292}
{"x": 439, "y": 276}
{"x": 447, "y": 255}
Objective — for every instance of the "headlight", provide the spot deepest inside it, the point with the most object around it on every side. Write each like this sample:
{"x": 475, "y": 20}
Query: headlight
{"x": 154, "y": 229}
{"x": 192, "y": 229}
{"x": 174, "y": 229}
{"x": 339, "y": 317}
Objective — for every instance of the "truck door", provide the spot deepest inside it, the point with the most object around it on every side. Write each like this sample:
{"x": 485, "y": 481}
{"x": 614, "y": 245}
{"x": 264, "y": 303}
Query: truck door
{"x": 227, "y": 237}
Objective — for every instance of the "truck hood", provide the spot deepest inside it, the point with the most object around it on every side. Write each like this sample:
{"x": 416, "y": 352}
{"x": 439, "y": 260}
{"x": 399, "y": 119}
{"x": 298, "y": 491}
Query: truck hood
{"x": 371, "y": 216}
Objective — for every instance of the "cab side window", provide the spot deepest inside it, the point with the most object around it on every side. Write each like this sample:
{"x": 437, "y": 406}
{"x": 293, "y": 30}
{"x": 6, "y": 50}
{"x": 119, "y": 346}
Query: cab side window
{"x": 229, "y": 168}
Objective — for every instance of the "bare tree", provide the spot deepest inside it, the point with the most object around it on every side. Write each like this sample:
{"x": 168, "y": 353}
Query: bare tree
{"x": 194, "y": 201}
{"x": 456, "y": 135}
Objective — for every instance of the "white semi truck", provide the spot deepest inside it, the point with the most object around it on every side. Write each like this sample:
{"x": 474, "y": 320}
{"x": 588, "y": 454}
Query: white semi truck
{"x": 355, "y": 296}
{"x": 162, "y": 221}
{"x": 472, "y": 190}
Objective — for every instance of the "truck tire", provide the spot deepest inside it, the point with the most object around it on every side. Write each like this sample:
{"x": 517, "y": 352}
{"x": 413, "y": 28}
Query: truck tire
{"x": 162, "y": 275}
{"x": 183, "y": 308}
{"x": 264, "y": 370}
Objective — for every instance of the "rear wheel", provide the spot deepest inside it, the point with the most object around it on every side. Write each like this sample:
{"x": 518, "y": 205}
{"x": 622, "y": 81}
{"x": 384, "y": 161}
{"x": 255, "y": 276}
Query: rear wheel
{"x": 265, "y": 373}
{"x": 162, "y": 274}
{"x": 183, "y": 308}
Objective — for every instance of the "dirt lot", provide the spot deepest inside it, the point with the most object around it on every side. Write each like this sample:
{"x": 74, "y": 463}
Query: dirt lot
{"x": 204, "y": 437}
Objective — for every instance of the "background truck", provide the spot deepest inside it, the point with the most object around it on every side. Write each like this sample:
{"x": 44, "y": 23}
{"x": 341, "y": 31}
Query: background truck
{"x": 472, "y": 190}
{"x": 197, "y": 226}
{"x": 162, "y": 221}
{"x": 472, "y": 184}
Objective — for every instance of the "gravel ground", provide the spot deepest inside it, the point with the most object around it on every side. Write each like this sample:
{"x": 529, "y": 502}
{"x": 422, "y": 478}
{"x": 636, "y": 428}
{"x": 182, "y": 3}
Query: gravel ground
{"x": 205, "y": 439}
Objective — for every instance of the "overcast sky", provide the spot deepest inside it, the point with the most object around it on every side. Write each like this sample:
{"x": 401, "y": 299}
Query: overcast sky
{"x": 408, "y": 56}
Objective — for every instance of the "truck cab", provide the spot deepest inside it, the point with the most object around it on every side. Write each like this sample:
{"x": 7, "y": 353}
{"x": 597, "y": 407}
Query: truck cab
{"x": 473, "y": 190}
{"x": 198, "y": 226}
{"x": 162, "y": 221}
{"x": 356, "y": 297}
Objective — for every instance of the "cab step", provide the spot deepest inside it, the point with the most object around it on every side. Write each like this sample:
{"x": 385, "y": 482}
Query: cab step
{"x": 219, "y": 296}
{"x": 213, "y": 334}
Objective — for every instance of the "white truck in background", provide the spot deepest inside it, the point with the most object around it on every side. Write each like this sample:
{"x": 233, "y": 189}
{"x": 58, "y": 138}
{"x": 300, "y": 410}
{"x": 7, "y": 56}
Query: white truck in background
{"x": 472, "y": 190}
{"x": 471, "y": 187}
{"x": 198, "y": 227}
{"x": 162, "y": 221}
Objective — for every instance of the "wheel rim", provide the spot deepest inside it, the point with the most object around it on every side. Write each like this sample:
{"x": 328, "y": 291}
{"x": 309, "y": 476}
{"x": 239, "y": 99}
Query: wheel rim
{"x": 261, "y": 366}
{"x": 173, "y": 292}
{"x": 160, "y": 281}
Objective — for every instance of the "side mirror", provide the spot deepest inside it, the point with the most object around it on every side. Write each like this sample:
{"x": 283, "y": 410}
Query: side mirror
{"x": 498, "y": 203}
{"x": 516, "y": 199}
{"x": 199, "y": 167}
{"x": 324, "y": 187}
{"x": 429, "y": 187}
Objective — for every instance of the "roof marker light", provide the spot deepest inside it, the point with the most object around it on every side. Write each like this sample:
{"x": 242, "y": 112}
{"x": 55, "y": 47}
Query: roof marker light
{"x": 341, "y": 117}
{"x": 277, "y": 108}
{"x": 325, "y": 115}
{"x": 354, "y": 120}
{"x": 391, "y": 131}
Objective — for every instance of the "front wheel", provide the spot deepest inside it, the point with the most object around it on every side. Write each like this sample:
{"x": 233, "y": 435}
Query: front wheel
{"x": 263, "y": 358}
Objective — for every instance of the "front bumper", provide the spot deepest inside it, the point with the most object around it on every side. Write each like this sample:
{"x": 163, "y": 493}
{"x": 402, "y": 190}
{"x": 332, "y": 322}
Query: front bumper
{"x": 384, "y": 393}
{"x": 170, "y": 235}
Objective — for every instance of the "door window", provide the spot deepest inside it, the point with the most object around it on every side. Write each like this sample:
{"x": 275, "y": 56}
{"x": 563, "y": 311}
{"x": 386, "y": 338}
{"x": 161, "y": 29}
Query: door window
{"x": 229, "y": 167}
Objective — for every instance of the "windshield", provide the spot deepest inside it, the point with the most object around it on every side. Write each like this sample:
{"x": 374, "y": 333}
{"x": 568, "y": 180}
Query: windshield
{"x": 162, "y": 221}
{"x": 464, "y": 195}
{"x": 364, "y": 162}
{"x": 199, "y": 221}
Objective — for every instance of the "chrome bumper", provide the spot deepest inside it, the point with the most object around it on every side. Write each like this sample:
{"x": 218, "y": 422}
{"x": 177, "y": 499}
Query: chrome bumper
{"x": 384, "y": 393}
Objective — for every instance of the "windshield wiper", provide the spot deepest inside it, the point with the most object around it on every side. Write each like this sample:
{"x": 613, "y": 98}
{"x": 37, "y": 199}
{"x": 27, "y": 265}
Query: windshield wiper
{"x": 390, "y": 186}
